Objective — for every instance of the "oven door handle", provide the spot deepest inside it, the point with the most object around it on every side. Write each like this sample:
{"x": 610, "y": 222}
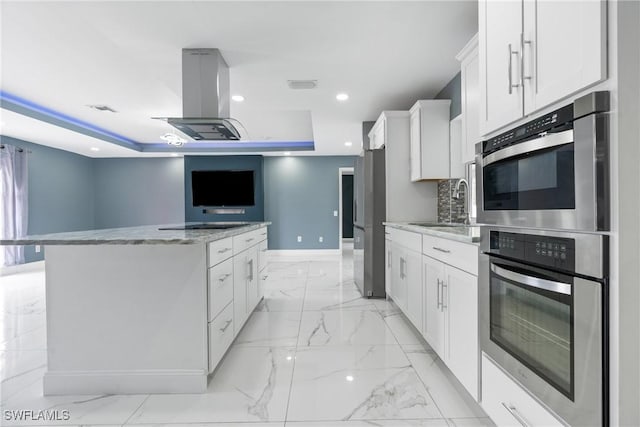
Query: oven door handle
{"x": 535, "y": 282}
{"x": 547, "y": 141}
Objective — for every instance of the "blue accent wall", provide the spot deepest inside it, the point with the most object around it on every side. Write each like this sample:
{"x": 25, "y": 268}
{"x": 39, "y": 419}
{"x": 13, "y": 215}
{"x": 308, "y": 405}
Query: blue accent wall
{"x": 61, "y": 191}
{"x": 254, "y": 163}
{"x": 301, "y": 193}
{"x": 139, "y": 191}
{"x": 453, "y": 92}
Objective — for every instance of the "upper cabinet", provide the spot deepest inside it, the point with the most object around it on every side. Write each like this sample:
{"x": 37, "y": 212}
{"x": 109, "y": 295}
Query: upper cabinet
{"x": 378, "y": 133}
{"x": 533, "y": 53}
{"x": 469, "y": 100}
{"x": 429, "y": 139}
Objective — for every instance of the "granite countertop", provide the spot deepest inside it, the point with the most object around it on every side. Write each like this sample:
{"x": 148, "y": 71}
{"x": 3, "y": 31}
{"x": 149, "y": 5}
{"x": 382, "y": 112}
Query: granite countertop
{"x": 460, "y": 233}
{"x": 142, "y": 235}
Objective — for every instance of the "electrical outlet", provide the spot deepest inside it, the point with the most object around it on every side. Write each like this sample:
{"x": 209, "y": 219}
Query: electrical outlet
{"x": 320, "y": 239}
{"x": 335, "y": 213}
{"x": 299, "y": 239}
{"x": 37, "y": 248}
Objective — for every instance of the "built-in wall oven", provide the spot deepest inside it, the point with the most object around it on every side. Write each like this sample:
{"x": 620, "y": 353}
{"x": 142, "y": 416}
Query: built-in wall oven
{"x": 551, "y": 172}
{"x": 543, "y": 316}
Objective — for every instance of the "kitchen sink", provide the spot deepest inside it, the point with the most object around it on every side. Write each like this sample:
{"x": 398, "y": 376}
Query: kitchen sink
{"x": 204, "y": 226}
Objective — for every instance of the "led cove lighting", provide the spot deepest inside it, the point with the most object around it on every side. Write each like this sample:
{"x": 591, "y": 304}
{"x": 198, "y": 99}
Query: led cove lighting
{"x": 238, "y": 98}
{"x": 174, "y": 155}
{"x": 287, "y": 153}
{"x": 342, "y": 97}
{"x": 348, "y": 143}
{"x": 95, "y": 149}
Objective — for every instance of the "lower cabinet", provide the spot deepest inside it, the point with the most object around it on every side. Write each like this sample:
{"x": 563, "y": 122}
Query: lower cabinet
{"x": 245, "y": 285}
{"x": 507, "y": 403}
{"x": 412, "y": 275}
{"x": 451, "y": 319}
{"x": 221, "y": 334}
{"x": 398, "y": 285}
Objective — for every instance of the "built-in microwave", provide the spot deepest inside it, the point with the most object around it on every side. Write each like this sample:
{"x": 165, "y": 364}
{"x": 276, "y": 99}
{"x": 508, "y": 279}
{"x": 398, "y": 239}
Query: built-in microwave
{"x": 551, "y": 172}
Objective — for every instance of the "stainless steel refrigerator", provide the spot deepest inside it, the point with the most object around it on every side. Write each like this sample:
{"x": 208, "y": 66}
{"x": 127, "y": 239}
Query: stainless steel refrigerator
{"x": 369, "y": 211}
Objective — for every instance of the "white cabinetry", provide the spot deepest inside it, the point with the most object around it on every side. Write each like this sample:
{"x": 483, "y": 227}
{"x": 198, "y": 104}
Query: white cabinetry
{"x": 451, "y": 306}
{"x": 405, "y": 200}
{"x": 429, "y": 139}
{"x": 507, "y": 403}
{"x": 470, "y": 99}
{"x": 406, "y": 274}
{"x": 534, "y": 53}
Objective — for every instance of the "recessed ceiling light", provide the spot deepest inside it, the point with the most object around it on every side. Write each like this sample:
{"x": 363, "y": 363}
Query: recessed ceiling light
{"x": 238, "y": 98}
{"x": 348, "y": 143}
{"x": 342, "y": 97}
{"x": 173, "y": 139}
{"x": 349, "y": 378}
{"x": 287, "y": 153}
{"x": 95, "y": 149}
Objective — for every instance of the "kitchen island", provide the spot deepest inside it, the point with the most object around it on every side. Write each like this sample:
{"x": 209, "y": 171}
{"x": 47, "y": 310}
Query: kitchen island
{"x": 149, "y": 309}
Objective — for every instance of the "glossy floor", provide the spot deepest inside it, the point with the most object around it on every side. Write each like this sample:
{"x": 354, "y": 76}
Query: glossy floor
{"x": 314, "y": 354}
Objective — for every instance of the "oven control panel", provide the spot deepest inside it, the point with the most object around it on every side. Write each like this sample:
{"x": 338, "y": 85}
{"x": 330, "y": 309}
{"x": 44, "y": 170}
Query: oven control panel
{"x": 549, "y": 251}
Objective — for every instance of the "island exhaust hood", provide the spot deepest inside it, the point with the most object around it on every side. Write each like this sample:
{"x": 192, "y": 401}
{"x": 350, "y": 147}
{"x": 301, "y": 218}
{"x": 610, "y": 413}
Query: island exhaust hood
{"x": 205, "y": 97}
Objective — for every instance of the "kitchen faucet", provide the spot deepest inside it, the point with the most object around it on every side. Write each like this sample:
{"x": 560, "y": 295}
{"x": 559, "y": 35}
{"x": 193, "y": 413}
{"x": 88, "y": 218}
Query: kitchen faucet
{"x": 456, "y": 195}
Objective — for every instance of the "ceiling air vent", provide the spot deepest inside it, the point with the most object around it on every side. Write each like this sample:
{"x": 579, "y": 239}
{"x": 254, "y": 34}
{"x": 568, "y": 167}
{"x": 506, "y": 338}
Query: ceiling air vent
{"x": 102, "y": 108}
{"x": 302, "y": 84}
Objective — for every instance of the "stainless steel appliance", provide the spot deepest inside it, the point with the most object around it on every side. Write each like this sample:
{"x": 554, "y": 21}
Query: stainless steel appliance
{"x": 552, "y": 172}
{"x": 369, "y": 212}
{"x": 543, "y": 316}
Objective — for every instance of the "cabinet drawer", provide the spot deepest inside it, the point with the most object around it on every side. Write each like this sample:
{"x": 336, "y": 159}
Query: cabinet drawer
{"x": 408, "y": 239}
{"x": 220, "y": 287}
{"x": 246, "y": 240}
{"x": 219, "y": 251}
{"x": 262, "y": 255}
{"x": 220, "y": 336}
{"x": 507, "y": 403}
{"x": 460, "y": 255}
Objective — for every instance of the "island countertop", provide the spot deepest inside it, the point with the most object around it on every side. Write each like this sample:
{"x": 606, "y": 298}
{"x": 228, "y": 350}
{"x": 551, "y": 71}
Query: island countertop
{"x": 141, "y": 235}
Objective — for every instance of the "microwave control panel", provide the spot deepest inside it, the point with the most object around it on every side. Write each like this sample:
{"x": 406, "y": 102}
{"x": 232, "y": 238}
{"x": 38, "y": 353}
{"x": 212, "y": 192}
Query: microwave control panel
{"x": 554, "y": 252}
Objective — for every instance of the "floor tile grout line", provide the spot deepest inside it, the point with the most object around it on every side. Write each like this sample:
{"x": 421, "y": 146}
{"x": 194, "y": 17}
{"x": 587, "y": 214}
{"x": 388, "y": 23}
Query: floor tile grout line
{"x": 136, "y": 410}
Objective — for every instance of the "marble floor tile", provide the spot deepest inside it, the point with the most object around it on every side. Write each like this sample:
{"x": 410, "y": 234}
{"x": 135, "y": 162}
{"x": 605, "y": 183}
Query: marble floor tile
{"x": 243, "y": 424}
{"x": 450, "y": 396}
{"x": 386, "y": 307}
{"x": 275, "y": 301}
{"x": 35, "y": 339}
{"x": 356, "y": 383}
{"x": 339, "y": 299}
{"x": 470, "y": 422}
{"x": 402, "y": 330}
{"x": 252, "y": 384}
{"x": 270, "y": 329}
{"x": 434, "y": 422}
{"x": 12, "y": 326}
{"x": 321, "y": 328}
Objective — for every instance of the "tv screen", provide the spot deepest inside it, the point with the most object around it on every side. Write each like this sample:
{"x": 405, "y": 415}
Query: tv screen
{"x": 222, "y": 188}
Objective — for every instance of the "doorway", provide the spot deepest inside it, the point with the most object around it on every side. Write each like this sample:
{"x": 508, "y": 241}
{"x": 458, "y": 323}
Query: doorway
{"x": 346, "y": 193}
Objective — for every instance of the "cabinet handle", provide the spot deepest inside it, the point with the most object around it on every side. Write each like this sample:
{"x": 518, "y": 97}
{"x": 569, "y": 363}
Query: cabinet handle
{"x": 221, "y": 251}
{"x": 265, "y": 277}
{"x": 446, "y": 251}
{"x": 438, "y": 303}
{"x": 223, "y": 277}
{"x": 510, "y": 69}
{"x": 514, "y": 411}
{"x": 523, "y": 42}
{"x": 389, "y": 259}
{"x": 226, "y": 325}
{"x": 402, "y": 264}
{"x": 442, "y": 306}
{"x": 249, "y": 240}
{"x": 250, "y": 266}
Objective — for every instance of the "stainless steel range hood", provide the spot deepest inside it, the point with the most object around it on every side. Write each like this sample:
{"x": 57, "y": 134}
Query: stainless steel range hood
{"x": 205, "y": 97}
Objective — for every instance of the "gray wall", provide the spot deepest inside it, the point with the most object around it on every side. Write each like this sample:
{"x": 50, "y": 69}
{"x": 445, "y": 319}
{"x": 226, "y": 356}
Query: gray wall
{"x": 131, "y": 192}
{"x": 254, "y": 163}
{"x": 453, "y": 92}
{"x": 301, "y": 194}
{"x": 61, "y": 196}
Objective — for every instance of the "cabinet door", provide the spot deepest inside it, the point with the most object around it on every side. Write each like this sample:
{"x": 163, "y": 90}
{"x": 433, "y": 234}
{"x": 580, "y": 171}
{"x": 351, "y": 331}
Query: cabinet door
{"x": 378, "y": 134}
{"x": 461, "y": 298}
{"x": 253, "y": 293}
{"x": 500, "y": 26}
{"x": 415, "y": 143}
{"x": 398, "y": 284}
{"x": 564, "y": 49}
{"x": 470, "y": 70}
{"x": 433, "y": 273}
{"x": 388, "y": 265}
{"x": 413, "y": 278}
{"x": 239, "y": 290}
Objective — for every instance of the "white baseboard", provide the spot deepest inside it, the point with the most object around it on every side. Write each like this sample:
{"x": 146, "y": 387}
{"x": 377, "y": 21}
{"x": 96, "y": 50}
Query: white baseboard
{"x": 129, "y": 382}
{"x": 302, "y": 252}
{"x": 22, "y": 268}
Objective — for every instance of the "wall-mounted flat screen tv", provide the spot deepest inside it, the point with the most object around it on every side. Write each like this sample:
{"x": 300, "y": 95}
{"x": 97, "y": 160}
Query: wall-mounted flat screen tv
{"x": 222, "y": 188}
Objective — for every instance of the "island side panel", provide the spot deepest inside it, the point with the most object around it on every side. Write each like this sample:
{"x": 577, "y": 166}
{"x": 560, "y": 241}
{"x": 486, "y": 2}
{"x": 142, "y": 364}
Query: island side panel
{"x": 126, "y": 319}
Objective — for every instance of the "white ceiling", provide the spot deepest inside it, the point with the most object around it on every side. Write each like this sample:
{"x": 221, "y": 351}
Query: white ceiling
{"x": 127, "y": 55}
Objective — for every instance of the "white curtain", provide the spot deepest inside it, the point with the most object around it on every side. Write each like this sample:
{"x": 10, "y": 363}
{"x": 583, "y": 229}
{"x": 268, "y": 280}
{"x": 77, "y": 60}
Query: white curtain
{"x": 13, "y": 202}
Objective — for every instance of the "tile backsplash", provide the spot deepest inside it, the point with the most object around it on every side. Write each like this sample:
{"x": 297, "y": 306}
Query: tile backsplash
{"x": 449, "y": 208}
